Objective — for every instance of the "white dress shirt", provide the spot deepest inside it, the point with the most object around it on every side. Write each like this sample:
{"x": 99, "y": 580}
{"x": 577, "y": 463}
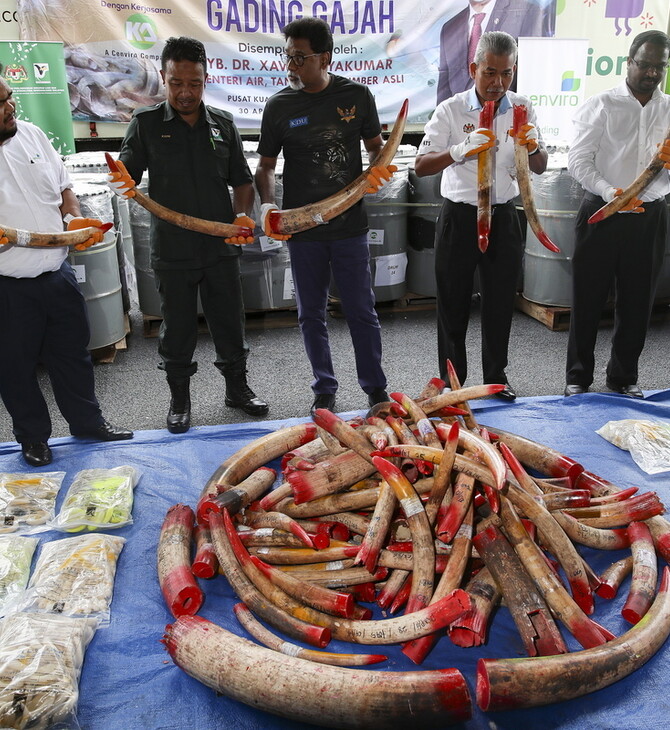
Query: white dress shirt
{"x": 32, "y": 179}
{"x": 615, "y": 139}
{"x": 451, "y": 122}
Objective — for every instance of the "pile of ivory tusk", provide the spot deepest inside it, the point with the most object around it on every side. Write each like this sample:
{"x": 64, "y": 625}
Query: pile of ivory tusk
{"x": 419, "y": 506}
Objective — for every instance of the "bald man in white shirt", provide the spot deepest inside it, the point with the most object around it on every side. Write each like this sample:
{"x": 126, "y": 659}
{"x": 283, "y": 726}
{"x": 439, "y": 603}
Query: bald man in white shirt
{"x": 617, "y": 132}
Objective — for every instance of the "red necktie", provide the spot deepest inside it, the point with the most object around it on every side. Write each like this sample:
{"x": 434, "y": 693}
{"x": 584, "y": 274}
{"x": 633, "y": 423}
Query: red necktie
{"x": 475, "y": 35}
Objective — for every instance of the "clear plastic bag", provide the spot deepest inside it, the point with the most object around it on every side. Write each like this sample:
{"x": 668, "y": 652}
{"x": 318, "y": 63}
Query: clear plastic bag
{"x": 40, "y": 663}
{"x": 647, "y": 441}
{"x": 16, "y": 554}
{"x": 75, "y": 577}
{"x": 98, "y": 499}
{"x": 28, "y": 501}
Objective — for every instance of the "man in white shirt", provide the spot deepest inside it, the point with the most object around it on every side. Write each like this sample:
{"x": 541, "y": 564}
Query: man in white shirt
{"x": 451, "y": 144}
{"x": 617, "y": 132}
{"x": 42, "y": 310}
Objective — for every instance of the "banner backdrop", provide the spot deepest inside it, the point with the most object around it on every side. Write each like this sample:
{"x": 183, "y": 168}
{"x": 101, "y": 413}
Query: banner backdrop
{"x": 556, "y": 86}
{"x": 36, "y": 74}
{"x": 414, "y": 49}
{"x": 112, "y": 51}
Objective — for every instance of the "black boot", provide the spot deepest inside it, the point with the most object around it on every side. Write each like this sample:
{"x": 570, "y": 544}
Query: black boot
{"x": 179, "y": 415}
{"x": 240, "y": 395}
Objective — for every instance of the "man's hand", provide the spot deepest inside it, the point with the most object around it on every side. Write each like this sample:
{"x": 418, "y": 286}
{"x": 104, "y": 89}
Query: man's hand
{"x": 3, "y": 239}
{"x": 77, "y": 224}
{"x": 476, "y": 142}
{"x": 120, "y": 182}
{"x": 528, "y": 137}
{"x": 378, "y": 176}
{"x": 664, "y": 153}
{"x": 633, "y": 206}
{"x": 266, "y": 210}
{"x": 246, "y": 222}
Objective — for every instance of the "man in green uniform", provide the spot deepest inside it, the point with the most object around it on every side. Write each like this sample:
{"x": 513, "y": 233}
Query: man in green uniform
{"x": 193, "y": 152}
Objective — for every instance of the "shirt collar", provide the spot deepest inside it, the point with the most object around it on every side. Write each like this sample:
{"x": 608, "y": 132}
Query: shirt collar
{"x": 475, "y": 105}
{"x": 623, "y": 90}
{"x": 169, "y": 113}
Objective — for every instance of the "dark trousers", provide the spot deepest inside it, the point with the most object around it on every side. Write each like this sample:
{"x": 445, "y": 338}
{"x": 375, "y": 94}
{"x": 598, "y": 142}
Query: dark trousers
{"x": 43, "y": 321}
{"x": 349, "y": 261}
{"x": 457, "y": 256}
{"x": 624, "y": 251}
{"x": 220, "y": 291}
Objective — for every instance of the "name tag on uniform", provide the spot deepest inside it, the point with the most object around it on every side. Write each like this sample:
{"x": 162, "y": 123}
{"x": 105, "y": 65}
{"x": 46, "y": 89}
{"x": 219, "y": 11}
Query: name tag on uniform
{"x": 216, "y": 134}
{"x": 298, "y": 122}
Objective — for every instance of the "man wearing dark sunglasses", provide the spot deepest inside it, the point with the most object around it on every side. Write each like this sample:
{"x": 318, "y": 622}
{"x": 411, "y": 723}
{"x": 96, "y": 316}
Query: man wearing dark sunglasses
{"x": 318, "y": 122}
{"x": 617, "y": 134}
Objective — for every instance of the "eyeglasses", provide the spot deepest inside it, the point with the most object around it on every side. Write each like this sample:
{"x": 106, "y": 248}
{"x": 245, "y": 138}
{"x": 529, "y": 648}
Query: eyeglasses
{"x": 644, "y": 66}
{"x": 299, "y": 61}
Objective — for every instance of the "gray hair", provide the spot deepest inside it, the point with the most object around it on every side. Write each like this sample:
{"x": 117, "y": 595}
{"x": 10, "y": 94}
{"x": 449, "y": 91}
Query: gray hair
{"x": 496, "y": 43}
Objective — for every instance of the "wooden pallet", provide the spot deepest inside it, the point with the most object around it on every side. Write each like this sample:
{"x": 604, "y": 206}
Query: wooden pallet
{"x": 107, "y": 354}
{"x": 407, "y": 303}
{"x": 557, "y": 319}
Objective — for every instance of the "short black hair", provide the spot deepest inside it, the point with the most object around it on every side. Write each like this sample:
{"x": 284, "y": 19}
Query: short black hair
{"x": 314, "y": 30}
{"x": 184, "y": 49}
{"x": 657, "y": 37}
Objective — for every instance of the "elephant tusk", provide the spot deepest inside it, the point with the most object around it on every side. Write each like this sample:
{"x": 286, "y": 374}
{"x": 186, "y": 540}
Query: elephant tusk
{"x": 31, "y": 239}
{"x": 645, "y": 572}
{"x": 238, "y": 497}
{"x": 182, "y": 594}
{"x": 337, "y": 697}
{"x": 272, "y": 641}
{"x": 188, "y": 222}
{"x": 506, "y": 684}
{"x": 484, "y": 181}
{"x": 205, "y": 563}
{"x": 520, "y": 115}
{"x": 294, "y": 220}
{"x": 632, "y": 191}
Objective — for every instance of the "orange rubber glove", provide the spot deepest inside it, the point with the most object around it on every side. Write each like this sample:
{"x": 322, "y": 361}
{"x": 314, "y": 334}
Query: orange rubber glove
{"x": 77, "y": 224}
{"x": 246, "y": 222}
{"x": 121, "y": 183}
{"x": 528, "y": 137}
{"x": 3, "y": 239}
{"x": 266, "y": 210}
{"x": 477, "y": 141}
{"x": 633, "y": 206}
{"x": 378, "y": 176}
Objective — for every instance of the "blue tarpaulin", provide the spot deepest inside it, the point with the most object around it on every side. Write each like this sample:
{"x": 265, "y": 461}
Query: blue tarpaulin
{"x": 128, "y": 679}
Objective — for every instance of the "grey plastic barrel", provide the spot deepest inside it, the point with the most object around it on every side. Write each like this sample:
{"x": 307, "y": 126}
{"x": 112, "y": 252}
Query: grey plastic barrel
{"x": 425, "y": 203}
{"x": 265, "y": 265}
{"x": 97, "y": 268}
{"x": 387, "y": 236}
{"x": 97, "y": 272}
{"x": 124, "y": 245}
{"x": 147, "y": 290}
{"x": 547, "y": 276}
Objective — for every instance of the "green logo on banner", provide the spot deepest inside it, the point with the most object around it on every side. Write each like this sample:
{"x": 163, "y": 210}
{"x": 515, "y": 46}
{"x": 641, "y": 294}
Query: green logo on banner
{"x": 141, "y": 31}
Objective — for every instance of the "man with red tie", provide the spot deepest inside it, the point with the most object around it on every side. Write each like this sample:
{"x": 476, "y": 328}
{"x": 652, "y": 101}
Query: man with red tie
{"x": 461, "y": 33}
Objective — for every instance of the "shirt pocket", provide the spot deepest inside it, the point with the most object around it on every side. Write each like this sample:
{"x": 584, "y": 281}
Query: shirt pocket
{"x": 169, "y": 157}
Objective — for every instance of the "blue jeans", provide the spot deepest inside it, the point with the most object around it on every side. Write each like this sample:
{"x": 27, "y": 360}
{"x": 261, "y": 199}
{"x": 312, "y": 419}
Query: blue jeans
{"x": 349, "y": 261}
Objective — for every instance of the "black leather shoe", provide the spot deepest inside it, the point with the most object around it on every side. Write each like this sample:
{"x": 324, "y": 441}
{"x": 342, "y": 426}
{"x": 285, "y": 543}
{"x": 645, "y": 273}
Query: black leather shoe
{"x": 323, "y": 400}
{"x": 573, "y": 389}
{"x": 630, "y": 390}
{"x": 239, "y": 395}
{"x": 378, "y": 395}
{"x": 179, "y": 414}
{"x": 106, "y": 432}
{"x": 37, "y": 454}
{"x": 506, "y": 394}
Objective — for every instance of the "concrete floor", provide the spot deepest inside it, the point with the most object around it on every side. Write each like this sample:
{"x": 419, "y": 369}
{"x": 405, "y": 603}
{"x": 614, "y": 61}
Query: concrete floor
{"x": 133, "y": 392}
